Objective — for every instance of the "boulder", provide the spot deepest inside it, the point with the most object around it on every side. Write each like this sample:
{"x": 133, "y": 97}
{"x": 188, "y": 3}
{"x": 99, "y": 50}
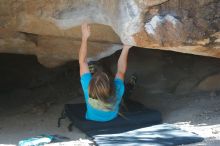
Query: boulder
{"x": 50, "y": 29}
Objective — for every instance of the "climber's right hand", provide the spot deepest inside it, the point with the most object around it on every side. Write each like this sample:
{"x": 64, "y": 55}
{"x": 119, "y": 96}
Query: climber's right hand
{"x": 85, "y": 30}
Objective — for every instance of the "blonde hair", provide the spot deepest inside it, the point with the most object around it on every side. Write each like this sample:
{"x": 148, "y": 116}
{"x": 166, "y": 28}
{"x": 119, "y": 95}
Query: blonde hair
{"x": 101, "y": 87}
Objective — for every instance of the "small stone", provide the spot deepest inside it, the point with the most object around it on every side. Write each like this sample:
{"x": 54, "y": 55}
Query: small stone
{"x": 213, "y": 94}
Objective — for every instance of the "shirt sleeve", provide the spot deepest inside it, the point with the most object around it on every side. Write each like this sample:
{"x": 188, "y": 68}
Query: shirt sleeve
{"x": 119, "y": 86}
{"x": 85, "y": 79}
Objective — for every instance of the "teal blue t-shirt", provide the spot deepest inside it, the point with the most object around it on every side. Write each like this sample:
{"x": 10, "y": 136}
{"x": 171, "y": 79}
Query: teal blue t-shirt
{"x": 97, "y": 114}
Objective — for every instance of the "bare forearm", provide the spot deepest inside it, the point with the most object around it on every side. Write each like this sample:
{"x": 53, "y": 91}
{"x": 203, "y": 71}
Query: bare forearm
{"x": 122, "y": 61}
{"x": 83, "y": 51}
{"x": 83, "y": 65}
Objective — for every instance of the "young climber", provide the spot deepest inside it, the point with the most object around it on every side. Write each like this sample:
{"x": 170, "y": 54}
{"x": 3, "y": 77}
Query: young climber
{"x": 103, "y": 95}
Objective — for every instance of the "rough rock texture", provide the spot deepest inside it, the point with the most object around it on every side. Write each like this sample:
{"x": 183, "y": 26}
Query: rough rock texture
{"x": 50, "y": 29}
{"x": 168, "y": 73}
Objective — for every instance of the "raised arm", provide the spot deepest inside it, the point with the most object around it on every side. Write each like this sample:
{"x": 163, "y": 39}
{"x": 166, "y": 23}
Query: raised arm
{"x": 122, "y": 62}
{"x": 83, "y": 65}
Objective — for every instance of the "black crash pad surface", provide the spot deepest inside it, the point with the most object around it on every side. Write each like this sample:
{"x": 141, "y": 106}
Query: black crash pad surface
{"x": 140, "y": 127}
{"x": 137, "y": 117}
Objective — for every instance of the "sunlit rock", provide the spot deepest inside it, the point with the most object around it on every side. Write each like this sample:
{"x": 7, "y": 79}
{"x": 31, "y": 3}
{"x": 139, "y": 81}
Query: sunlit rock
{"x": 50, "y": 29}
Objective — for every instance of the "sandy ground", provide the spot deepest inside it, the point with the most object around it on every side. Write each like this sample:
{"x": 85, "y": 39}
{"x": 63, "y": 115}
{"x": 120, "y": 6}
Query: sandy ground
{"x": 198, "y": 113}
{"x": 33, "y": 110}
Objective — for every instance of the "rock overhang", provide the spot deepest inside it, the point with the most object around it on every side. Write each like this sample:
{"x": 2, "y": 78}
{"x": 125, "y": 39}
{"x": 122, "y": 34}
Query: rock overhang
{"x": 50, "y": 29}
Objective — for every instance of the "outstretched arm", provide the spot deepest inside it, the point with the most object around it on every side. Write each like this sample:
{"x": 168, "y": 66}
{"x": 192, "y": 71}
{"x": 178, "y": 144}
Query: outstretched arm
{"x": 122, "y": 62}
{"x": 83, "y": 65}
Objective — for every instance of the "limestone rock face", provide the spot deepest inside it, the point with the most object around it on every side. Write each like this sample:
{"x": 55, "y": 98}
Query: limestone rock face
{"x": 50, "y": 29}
